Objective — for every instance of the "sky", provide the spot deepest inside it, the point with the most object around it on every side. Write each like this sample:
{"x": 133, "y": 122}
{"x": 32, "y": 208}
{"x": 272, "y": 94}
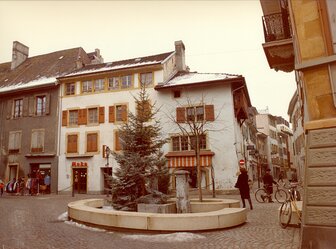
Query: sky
{"x": 219, "y": 36}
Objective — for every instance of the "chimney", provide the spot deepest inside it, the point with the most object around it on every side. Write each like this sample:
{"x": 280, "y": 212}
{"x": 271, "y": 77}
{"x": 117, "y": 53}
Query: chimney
{"x": 180, "y": 56}
{"x": 19, "y": 55}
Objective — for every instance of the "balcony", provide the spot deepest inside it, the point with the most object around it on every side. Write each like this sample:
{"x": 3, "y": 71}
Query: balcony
{"x": 278, "y": 46}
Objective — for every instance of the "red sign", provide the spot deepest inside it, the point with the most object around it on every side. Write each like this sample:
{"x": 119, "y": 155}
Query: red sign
{"x": 79, "y": 164}
{"x": 241, "y": 162}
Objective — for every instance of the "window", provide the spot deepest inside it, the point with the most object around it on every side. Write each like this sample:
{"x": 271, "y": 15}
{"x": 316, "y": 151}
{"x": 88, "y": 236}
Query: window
{"x": 146, "y": 79}
{"x": 87, "y": 86}
{"x": 18, "y": 107}
{"x": 126, "y": 81}
{"x": 99, "y": 85}
{"x": 92, "y": 142}
{"x": 121, "y": 113}
{"x": 14, "y": 144}
{"x": 72, "y": 143}
{"x": 70, "y": 89}
{"x": 114, "y": 83}
{"x": 195, "y": 113}
{"x": 93, "y": 116}
{"x": 41, "y": 105}
{"x": 73, "y": 117}
{"x": 177, "y": 94}
{"x": 37, "y": 141}
{"x": 187, "y": 143}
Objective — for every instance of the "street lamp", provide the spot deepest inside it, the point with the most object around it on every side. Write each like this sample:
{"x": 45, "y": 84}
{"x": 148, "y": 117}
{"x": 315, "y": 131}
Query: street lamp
{"x": 106, "y": 154}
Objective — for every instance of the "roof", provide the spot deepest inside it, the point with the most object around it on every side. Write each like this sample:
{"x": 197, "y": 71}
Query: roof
{"x": 40, "y": 70}
{"x": 122, "y": 64}
{"x": 192, "y": 78}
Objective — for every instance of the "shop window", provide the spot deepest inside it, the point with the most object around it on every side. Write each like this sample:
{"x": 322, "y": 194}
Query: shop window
{"x": 14, "y": 145}
{"x": 72, "y": 143}
{"x": 37, "y": 141}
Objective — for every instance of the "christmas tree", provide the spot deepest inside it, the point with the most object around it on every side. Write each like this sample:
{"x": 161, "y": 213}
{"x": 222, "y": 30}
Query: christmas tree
{"x": 141, "y": 162}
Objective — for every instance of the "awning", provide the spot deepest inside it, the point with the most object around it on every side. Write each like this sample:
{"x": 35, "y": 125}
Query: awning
{"x": 188, "y": 159}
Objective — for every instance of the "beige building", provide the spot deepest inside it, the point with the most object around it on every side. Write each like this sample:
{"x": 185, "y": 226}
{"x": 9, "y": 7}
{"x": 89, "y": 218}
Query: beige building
{"x": 300, "y": 36}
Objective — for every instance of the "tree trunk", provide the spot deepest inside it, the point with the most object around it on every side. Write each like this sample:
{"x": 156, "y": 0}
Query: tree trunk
{"x": 199, "y": 172}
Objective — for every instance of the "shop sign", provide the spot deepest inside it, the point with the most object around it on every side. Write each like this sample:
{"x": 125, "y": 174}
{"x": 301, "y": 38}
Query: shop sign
{"x": 79, "y": 164}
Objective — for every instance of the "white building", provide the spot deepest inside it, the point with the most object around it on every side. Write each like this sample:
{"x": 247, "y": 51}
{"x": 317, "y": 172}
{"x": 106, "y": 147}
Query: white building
{"x": 95, "y": 101}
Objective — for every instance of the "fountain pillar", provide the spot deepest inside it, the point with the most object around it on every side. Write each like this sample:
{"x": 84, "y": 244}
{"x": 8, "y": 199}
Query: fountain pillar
{"x": 182, "y": 192}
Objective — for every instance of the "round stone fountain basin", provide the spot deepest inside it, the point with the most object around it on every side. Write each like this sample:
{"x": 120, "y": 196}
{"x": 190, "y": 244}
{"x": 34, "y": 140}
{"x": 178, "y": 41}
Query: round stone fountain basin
{"x": 208, "y": 215}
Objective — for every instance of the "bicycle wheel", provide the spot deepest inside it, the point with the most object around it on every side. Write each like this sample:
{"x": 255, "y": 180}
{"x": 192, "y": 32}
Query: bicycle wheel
{"x": 260, "y": 195}
{"x": 285, "y": 214}
{"x": 280, "y": 195}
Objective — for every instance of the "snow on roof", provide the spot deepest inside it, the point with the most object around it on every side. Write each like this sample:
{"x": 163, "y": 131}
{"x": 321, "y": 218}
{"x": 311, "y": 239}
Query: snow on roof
{"x": 109, "y": 66}
{"x": 194, "y": 78}
{"x": 34, "y": 83}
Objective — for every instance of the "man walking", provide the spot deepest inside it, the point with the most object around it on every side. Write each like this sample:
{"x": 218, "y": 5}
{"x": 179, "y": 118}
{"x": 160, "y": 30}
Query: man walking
{"x": 268, "y": 182}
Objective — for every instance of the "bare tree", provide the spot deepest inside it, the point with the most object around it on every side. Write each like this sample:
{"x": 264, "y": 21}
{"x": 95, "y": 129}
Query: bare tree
{"x": 194, "y": 121}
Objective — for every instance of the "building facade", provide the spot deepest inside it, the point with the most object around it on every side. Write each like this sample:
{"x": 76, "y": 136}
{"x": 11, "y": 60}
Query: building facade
{"x": 300, "y": 36}
{"x": 29, "y": 114}
{"x": 96, "y": 99}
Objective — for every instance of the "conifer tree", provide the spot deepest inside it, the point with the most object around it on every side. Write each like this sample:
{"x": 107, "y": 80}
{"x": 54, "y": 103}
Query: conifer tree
{"x": 141, "y": 159}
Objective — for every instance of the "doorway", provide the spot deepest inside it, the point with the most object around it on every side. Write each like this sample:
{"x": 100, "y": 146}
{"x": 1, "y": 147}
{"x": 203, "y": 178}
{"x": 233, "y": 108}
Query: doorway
{"x": 79, "y": 180}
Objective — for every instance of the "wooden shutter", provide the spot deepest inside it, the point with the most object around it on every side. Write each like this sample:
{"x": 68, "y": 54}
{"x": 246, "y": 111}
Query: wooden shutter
{"x": 124, "y": 113}
{"x": 47, "y": 107}
{"x": 82, "y": 116}
{"x": 111, "y": 114}
{"x": 72, "y": 144}
{"x": 31, "y": 105}
{"x": 209, "y": 113}
{"x": 180, "y": 114}
{"x": 101, "y": 114}
{"x": 64, "y": 118}
{"x": 25, "y": 104}
{"x": 91, "y": 143}
{"x": 9, "y": 108}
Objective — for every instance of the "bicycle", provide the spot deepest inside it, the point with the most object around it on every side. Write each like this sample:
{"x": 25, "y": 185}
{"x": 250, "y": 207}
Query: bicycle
{"x": 286, "y": 209}
{"x": 262, "y": 195}
{"x": 293, "y": 189}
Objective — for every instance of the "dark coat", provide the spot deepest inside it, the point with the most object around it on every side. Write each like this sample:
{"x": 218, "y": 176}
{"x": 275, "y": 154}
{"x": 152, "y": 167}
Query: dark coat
{"x": 268, "y": 182}
{"x": 242, "y": 184}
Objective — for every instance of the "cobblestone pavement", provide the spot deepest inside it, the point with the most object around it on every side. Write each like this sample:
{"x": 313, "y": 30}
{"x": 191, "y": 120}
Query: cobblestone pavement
{"x": 31, "y": 222}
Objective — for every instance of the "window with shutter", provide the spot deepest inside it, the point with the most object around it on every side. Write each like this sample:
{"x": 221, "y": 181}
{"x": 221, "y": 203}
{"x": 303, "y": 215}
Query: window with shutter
{"x": 18, "y": 108}
{"x": 73, "y": 117}
{"x": 93, "y": 115}
{"x": 37, "y": 141}
{"x": 180, "y": 114}
{"x": 41, "y": 105}
{"x": 72, "y": 142}
{"x": 14, "y": 142}
{"x": 92, "y": 142}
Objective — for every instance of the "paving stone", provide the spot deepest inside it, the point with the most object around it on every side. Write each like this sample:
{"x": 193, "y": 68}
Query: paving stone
{"x": 28, "y": 222}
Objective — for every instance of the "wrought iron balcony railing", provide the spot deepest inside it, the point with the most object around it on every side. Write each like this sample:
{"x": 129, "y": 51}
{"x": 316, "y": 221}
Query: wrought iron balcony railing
{"x": 276, "y": 27}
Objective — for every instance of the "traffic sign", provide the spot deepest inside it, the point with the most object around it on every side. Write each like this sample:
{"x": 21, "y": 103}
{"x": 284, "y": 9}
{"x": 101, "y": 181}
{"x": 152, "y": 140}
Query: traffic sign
{"x": 241, "y": 162}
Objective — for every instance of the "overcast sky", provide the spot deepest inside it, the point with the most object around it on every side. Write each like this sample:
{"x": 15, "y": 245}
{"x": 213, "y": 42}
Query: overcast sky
{"x": 220, "y": 37}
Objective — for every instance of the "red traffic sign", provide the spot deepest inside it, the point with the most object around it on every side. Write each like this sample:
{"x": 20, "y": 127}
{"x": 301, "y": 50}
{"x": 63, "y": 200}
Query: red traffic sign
{"x": 241, "y": 162}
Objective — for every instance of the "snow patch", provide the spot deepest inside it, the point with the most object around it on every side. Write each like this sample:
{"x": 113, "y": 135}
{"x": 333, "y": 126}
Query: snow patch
{"x": 63, "y": 217}
{"x": 171, "y": 237}
{"x": 72, "y": 223}
{"x": 21, "y": 85}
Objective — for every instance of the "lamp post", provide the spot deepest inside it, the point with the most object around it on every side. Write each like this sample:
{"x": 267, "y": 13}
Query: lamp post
{"x": 107, "y": 151}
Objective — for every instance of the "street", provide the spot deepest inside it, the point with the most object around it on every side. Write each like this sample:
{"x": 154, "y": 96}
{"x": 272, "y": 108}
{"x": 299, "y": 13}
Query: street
{"x": 34, "y": 222}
